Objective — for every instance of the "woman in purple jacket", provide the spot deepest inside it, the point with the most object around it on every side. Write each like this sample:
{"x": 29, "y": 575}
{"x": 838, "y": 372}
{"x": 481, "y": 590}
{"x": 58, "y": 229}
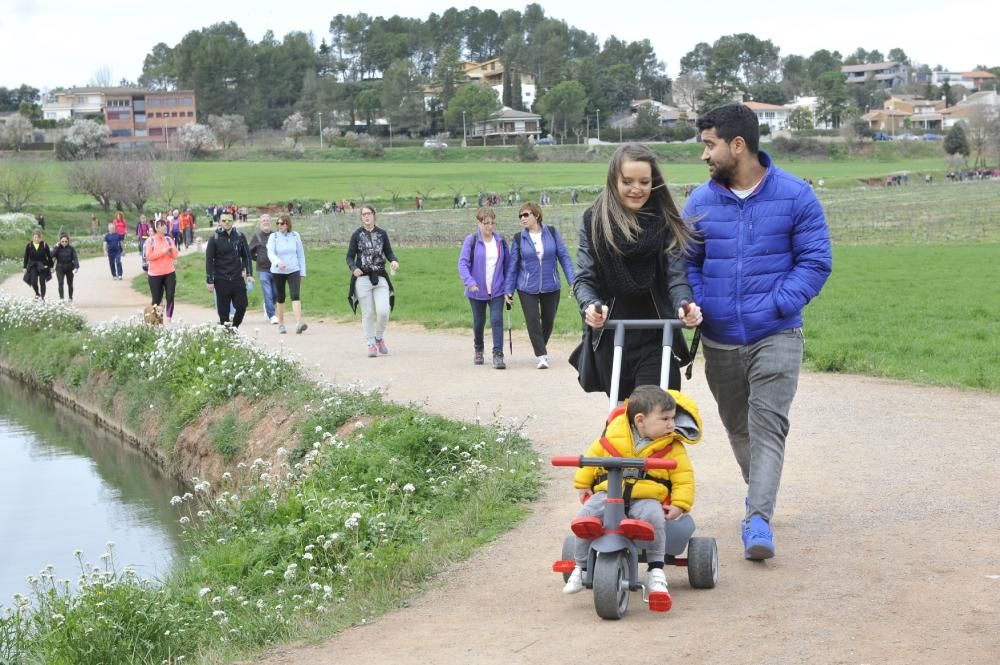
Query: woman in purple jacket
{"x": 536, "y": 253}
{"x": 481, "y": 267}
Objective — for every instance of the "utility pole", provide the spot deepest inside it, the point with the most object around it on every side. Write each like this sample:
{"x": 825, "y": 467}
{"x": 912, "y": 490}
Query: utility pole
{"x": 464, "y": 144}
{"x": 598, "y": 125}
{"x": 320, "y": 130}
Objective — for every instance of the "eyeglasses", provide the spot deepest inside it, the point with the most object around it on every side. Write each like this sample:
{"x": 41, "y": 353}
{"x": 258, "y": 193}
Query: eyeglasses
{"x": 282, "y": 223}
{"x": 524, "y": 214}
{"x": 491, "y": 222}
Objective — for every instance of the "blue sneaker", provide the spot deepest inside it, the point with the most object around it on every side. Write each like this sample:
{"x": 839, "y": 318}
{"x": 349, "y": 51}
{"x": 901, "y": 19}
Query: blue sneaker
{"x": 758, "y": 541}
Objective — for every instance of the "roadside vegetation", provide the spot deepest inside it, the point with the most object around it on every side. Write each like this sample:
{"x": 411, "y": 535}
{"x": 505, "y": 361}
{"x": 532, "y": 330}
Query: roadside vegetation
{"x": 356, "y": 503}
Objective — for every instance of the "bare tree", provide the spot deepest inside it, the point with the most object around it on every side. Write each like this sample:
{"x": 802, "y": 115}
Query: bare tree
{"x": 121, "y": 182}
{"x": 95, "y": 178}
{"x": 686, "y": 88}
{"x": 140, "y": 182}
{"x": 102, "y": 78}
{"x": 174, "y": 187}
{"x": 425, "y": 190}
{"x": 979, "y": 127}
{"x": 18, "y": 186}
{"x": 228, "y": 129}
{"x": 394, "y": 193}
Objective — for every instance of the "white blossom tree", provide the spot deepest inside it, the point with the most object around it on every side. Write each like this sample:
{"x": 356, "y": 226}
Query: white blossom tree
{"x": 228, "y": 129}
{"x": 16, "y": 131}
{"x": 88, "y": 137}
{"x": 294, "y": 127}
{"x": 196, "y": 138}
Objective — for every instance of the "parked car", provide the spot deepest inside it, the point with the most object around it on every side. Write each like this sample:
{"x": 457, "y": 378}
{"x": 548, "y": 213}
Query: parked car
{"x": 929, "y": 136}
{"x": 548, "y": 140}
{"x": 435, "y": 143}
{"x": 881, "y": 136}
{"x": 907, "y": 137}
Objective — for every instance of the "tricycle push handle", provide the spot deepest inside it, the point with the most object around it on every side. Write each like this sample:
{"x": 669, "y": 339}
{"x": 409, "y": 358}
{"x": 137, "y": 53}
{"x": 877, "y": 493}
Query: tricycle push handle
{"x": 644, "y": 463}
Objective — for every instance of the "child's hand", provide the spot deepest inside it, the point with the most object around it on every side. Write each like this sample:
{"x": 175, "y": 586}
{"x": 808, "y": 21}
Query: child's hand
{"x": 584, "y": 494}
{"x": 672, "y": 512}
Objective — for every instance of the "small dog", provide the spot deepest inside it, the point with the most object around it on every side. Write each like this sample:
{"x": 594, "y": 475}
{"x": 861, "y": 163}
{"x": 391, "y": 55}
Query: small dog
{"x": 152, "y": 315}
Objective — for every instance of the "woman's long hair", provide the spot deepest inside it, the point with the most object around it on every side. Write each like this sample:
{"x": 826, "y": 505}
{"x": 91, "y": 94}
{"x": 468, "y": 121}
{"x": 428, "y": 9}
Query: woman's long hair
{"x": 608, "y": 210}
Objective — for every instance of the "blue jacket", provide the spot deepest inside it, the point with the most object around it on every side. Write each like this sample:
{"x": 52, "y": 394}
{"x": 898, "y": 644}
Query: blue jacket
{"x": 472, "y": 266}
{"x": 523, "y": 270}
{"x": 286, "y": 248}
{"x": 761, "y": 259}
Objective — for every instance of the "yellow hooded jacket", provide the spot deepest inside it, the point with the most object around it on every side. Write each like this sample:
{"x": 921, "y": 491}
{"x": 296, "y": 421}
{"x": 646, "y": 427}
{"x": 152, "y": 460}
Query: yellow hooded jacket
{"x": 619, "y": 433}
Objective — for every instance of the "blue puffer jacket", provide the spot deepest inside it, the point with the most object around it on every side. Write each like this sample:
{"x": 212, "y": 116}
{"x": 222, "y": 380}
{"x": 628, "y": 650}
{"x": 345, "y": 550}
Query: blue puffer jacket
{"x": 762, "y": 258}
{"x": 523, "y": 270}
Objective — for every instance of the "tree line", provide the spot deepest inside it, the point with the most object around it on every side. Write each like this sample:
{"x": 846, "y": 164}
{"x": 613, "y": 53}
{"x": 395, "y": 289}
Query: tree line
{"x": 371, "y": 67}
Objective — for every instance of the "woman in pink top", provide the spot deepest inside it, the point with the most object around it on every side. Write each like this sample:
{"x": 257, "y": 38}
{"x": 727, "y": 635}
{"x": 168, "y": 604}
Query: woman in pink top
{"x": 161, "y": 250}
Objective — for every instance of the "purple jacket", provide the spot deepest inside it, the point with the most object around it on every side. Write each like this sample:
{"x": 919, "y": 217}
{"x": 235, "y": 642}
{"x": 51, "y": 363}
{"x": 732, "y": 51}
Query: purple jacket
{"x": 472, "y": 266}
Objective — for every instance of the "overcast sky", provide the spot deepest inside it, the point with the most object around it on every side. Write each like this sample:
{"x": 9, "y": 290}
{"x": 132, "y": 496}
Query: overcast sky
{"x": 55, "y": 43}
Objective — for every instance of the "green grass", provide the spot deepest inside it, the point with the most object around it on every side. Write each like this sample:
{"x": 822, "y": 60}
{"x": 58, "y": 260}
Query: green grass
{"x": 329, "y": 534}
{"x": 925, "y": 314}
{"x": 409, "y": 170}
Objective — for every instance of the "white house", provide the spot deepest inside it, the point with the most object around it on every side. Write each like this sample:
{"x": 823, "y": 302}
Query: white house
{"x": 772, "y": 115}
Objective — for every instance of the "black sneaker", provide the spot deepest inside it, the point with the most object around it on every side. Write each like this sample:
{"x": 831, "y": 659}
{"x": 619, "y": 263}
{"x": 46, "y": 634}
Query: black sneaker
{"x": 498, "y": 362}
{"x": 478, "y": 358}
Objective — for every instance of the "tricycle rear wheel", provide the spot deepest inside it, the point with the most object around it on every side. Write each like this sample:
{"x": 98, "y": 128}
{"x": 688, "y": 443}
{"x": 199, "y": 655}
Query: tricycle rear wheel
{"x": 703, "y": 563}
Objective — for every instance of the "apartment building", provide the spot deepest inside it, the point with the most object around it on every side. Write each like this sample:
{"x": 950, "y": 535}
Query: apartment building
{"x": 135, "y": 116}
{"x": 886, "y": 74}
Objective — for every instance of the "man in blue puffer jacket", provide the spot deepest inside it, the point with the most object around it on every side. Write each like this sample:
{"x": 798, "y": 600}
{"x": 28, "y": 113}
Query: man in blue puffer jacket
{"x": 765, "y": 254}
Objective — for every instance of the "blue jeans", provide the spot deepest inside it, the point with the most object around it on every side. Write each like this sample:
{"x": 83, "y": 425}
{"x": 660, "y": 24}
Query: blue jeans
{"x": 115, "y": 263}
{"x": 754, "y": 386}
{"x": 267, "y": 289}
{"x": 479, "y": 322}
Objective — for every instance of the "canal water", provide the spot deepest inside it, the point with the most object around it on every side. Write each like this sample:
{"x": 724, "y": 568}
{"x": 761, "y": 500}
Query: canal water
{"x": 68, "y": 485}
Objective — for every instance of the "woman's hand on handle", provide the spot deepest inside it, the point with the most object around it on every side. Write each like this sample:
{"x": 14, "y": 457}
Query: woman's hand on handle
{"x": 690, "y": 314}
{"x": 595, "y": 317}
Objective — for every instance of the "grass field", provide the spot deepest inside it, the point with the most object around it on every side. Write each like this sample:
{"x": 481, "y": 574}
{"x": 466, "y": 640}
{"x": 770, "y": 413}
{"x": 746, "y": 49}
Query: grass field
{"x": 268, "y": 182}
{"x": 906, "y": 242}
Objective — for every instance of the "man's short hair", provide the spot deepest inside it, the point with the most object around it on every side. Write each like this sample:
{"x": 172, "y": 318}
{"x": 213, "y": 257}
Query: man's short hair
{"x": 646, "y": 399}
{"x": 730, "y": 121}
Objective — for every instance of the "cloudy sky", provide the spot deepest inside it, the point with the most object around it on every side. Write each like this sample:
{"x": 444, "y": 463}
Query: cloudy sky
{"x": 54, "y": 43}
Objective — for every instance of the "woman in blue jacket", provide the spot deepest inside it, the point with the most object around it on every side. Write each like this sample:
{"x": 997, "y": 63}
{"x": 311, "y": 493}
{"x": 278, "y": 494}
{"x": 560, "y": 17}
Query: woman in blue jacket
{"x": 533, "y": 270}
{"x": 288, "y": 265}
{"x": 481, "y": 266}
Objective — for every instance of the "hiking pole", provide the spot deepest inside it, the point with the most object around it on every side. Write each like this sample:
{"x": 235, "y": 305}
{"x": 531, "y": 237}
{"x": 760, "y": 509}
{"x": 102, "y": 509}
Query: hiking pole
{"x": 510, "y": 335}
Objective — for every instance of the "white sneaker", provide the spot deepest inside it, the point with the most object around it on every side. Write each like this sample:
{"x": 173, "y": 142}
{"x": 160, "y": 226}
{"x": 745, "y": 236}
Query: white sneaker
{"x": 543, "y": 362}
{"x": 274, "y": 319}
{"x": 656, "y": 581}
{"x": 575, "y": 582}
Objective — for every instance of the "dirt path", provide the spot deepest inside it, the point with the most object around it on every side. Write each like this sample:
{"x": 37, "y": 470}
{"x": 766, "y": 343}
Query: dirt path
{"x": 893, "y": 560}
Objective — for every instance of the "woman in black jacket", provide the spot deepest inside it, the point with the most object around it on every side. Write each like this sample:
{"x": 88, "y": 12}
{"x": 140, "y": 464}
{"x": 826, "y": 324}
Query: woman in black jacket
{"x": 67, "y": 263}
{"x": 367, "y": 255}
{"x": 630, "y": 265}
{"x": 37, "y": 264}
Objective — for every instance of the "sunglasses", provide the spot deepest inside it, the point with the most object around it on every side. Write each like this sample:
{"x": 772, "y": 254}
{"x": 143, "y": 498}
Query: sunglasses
{"x": 282, "y": 223}
{"x": 524, "y": 214}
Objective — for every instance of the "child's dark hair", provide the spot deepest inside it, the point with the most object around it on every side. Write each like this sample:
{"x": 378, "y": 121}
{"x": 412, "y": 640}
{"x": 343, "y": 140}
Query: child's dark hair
{"x": 646, "y": 399}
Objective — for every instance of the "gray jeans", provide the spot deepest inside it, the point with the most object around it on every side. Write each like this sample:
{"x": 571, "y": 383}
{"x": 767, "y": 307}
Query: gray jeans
{"x": 754, "y": 386}
{"x": 373, "y": 301}
{"x": 669, "y": 537}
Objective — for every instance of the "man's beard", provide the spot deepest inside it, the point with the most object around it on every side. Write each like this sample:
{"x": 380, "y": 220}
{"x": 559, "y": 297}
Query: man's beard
{"x": 723, "y": 175}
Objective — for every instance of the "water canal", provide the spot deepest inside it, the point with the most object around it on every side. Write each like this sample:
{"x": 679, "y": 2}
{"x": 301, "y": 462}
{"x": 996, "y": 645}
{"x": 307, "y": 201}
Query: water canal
{"x": 68, "y": 485}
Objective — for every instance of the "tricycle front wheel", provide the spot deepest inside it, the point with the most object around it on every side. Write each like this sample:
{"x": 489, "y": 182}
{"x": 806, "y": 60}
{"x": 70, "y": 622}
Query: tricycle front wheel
{"x": 611, "y": 584}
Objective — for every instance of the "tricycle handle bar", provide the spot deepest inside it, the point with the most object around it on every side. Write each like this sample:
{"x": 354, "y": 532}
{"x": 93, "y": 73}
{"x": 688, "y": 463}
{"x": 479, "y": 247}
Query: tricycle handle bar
{"x": 620, "y": 326}
{"x": 645, "y": 463}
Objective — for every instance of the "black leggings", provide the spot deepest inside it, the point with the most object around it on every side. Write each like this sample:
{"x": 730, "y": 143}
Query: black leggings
{"x": 158, "y": 284}
{"x": 67, "y": 274}
{"x": 293, "y": 279}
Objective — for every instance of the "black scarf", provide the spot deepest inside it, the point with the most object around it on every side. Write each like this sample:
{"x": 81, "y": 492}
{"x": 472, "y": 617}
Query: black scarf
{"x": 634, "y": 270}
